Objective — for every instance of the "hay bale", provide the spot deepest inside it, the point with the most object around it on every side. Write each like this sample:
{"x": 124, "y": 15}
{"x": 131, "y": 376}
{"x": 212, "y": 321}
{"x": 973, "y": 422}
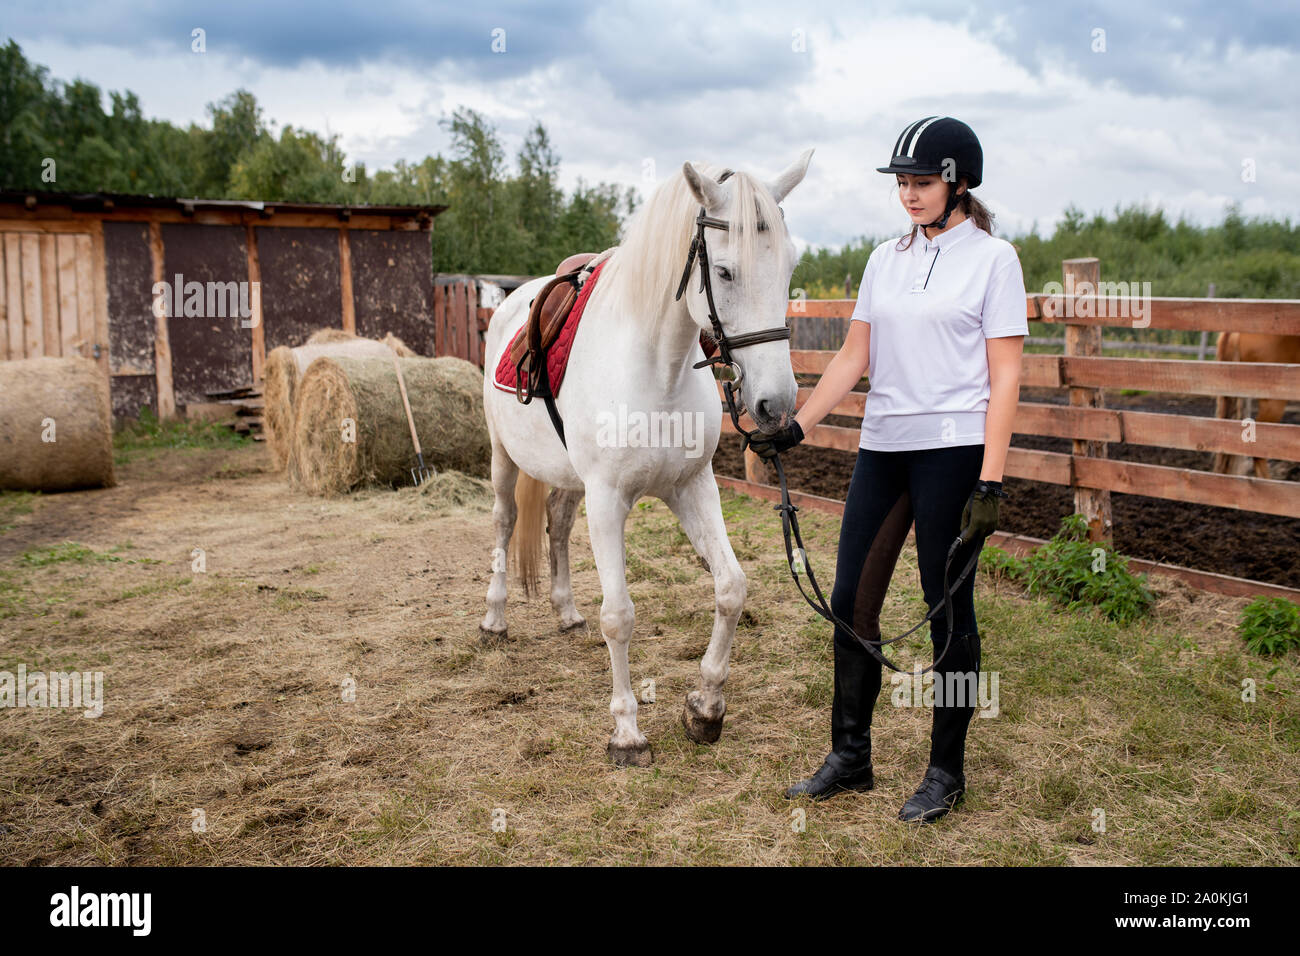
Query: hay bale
{"x": 61, "y": 398}
{"x": 446, "y": 396}
{"x": 325, "y": 336}
{"x": 284, "y": 367}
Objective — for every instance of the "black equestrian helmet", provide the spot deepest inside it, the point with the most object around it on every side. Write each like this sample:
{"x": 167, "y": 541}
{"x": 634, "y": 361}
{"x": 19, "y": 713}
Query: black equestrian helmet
{"x": 926, "y": 144}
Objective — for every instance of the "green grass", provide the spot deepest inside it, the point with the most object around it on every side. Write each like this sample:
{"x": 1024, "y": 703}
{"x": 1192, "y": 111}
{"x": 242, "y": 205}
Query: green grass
{"x": 147, "y": 436}
{"x": 65, "y": 551}
{"x": 13, "y": 504}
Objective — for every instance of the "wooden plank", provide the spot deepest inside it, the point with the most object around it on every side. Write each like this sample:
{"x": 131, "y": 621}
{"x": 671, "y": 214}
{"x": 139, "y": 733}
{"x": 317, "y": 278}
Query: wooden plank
{"x": 810, "y": 361}
{"x": 1040, "y": 371}
{"x": 1064, "y": 421}
{"x": 439, "y": 309}
{"x": 4, "y": 308}
{"x": 33, "y": 312}
{"x": 69, "y": 325}
{"x": 99, "y": 287}
{"x": 349, "y": 305}
{"x": 1252, "y": 379}
{"x": 820, "y": 308}
{"x": 852, "y": 404}
{"x": 1262, "y": 495}
{"x": 52, "y": 218}
{"x": 458, "y": 324}
{"x": 842, "y": 309}
{"x": 85, "y": 266}
{"x": 473, "y": 340}
{"x": 162, "y": 338}
{"x": 1270, "y": 316}
{"x": 1210, "y": 434}
{"x": 53, "y": 345}
{"x": 57, "y": 227}
{"x": 1157, "y": 429}
{"x": 1049, "y": 466}
{"x": 255, "y": 305}
{"x": 1085, "y": 341}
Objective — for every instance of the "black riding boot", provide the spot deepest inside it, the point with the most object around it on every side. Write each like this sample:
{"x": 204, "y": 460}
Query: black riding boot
{"x": 955, "y": 696}
{"x": 848, "y": 765}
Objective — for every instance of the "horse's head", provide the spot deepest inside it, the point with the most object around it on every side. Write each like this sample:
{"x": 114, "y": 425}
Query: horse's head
{"x": 750, "y": 264}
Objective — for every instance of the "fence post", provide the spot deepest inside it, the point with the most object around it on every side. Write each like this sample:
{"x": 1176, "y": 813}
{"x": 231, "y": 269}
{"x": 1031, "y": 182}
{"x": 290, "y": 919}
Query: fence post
{"x": 1083, "y": 275}
{"x": 1205, "y": 333}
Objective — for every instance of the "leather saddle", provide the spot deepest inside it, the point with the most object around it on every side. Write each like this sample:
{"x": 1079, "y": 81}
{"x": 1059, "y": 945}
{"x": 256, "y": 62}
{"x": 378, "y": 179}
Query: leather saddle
{"x": 547, "y": 314}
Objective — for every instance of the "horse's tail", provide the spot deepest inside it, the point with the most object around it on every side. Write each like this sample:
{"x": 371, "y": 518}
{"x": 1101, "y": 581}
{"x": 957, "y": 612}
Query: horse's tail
{"x": 1225, "y": 406}
{"x": 526, "y": 542}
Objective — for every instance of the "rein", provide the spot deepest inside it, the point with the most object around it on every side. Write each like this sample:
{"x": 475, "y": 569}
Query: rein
{"x": 729, "y": 373}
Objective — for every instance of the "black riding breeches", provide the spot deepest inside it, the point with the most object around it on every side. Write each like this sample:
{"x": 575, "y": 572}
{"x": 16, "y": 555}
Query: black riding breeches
{"x": 889, "y": 491}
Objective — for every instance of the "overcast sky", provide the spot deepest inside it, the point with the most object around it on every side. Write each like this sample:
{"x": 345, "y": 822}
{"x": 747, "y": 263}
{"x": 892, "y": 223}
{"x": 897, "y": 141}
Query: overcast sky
{"x": 1182, "y": 95}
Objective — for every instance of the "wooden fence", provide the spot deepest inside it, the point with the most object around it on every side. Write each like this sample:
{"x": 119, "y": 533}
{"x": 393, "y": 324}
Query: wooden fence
{"x": 460, "y": 320}
{"x": 1084, "y": 373}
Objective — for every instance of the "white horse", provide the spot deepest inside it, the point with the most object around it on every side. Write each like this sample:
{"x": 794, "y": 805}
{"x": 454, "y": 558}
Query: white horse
{"x": 633, "y": 356}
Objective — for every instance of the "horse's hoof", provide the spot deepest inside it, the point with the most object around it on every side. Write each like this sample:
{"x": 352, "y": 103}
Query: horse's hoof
{"x": 701, "y": 727}
{"x": 634, "y": 755}
{"x": 492, "y": 638}
{"x": 572, "y": 625}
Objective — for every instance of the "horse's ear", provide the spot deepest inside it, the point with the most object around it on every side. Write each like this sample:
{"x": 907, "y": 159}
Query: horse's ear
{"x": 790, "y": 177}
{"x": 707, "y": 192}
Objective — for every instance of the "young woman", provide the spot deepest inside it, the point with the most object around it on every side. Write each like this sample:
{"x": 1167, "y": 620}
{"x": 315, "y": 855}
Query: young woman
{"x": 939, "y": 324}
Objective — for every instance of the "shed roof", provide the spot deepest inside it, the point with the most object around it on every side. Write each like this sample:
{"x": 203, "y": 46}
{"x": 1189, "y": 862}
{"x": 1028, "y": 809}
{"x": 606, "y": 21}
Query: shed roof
{"x": 108, "y": 202}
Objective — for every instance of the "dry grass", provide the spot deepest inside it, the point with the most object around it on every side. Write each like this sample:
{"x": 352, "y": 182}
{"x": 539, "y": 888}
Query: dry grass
{"x": 223, "y": 694}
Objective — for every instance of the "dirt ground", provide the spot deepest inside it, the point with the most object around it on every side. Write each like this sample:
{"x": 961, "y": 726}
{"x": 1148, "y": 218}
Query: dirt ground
{"x": 226, "y": 737}
{"x": 1224, "y": 540}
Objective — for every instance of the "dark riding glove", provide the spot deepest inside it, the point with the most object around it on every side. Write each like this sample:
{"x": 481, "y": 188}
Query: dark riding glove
{"x": 769, "y": 446}
{"x": 980, "y": 517}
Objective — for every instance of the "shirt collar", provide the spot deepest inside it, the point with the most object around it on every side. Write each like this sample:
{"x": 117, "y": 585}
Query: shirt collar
{"x": 946, "y": 239}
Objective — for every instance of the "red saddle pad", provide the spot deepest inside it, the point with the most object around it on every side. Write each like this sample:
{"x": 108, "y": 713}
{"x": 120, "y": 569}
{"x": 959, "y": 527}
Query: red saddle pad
{"x": 557, "y": 356}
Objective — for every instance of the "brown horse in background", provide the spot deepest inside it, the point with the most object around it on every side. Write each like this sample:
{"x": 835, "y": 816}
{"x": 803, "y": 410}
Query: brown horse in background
{"x": 1252, "y": 347}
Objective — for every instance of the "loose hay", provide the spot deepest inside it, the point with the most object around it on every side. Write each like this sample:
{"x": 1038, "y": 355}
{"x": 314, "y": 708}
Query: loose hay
{"x": 446, "y": 396}
{"x": 285, "y": 367}
{"x": 398, "y": 346}
{"x": 56, "y": 429}
{"x": 325, "y": 336}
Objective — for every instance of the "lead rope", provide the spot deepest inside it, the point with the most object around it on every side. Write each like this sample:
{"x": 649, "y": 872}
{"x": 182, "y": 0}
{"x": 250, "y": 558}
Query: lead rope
{"x": 790, "y": 528}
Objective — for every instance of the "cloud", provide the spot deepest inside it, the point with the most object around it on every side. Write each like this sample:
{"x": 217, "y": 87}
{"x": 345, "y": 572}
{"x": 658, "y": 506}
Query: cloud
{"x": 1167, "y": 114}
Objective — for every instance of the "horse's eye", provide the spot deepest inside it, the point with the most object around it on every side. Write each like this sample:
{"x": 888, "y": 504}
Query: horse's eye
{"x": 724, "y": 273}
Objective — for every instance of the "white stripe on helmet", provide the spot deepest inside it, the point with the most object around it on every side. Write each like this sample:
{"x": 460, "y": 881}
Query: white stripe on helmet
{"x": 911, "y": 147}
{"x": 898, "y": 146}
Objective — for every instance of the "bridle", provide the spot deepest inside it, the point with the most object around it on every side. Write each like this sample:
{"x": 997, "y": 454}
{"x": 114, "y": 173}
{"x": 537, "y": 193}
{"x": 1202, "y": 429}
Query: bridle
{"x": 725, "y": 368}
{"x": 729, "y": 373}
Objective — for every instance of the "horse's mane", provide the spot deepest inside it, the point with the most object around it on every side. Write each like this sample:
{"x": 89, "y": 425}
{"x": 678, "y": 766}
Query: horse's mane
{"x": 642, "y": 275}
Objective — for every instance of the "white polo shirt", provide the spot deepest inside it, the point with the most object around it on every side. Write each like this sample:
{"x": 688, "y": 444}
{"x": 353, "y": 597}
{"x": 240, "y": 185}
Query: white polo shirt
{"x": 931, "y": 306}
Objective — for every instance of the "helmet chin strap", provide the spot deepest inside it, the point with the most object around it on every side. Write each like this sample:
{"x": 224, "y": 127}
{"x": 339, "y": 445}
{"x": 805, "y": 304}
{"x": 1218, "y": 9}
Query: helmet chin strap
{"x": 953, "y": 198}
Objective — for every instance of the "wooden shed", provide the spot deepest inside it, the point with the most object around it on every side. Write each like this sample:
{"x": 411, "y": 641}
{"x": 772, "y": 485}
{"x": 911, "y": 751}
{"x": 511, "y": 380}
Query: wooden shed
{"x": 180, "y": 298}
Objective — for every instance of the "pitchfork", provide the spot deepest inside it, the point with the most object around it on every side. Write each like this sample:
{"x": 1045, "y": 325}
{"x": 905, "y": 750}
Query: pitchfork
{"x": 422, "y": 473}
